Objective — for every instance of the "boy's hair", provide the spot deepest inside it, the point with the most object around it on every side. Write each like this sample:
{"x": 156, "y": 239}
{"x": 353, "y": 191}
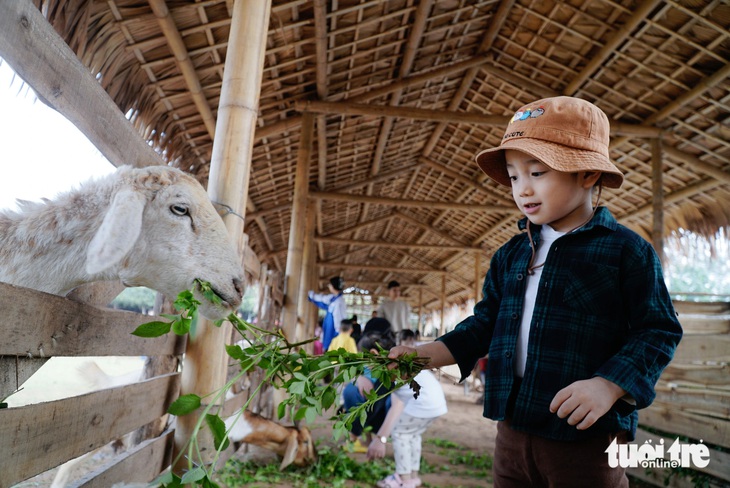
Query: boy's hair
{"x": 393, "y": 284}
{"x": 370, "y": 340}
{"x": 565, "y": 133}
{"x": 345, "y": 325}
{"x": 406, "y": 335}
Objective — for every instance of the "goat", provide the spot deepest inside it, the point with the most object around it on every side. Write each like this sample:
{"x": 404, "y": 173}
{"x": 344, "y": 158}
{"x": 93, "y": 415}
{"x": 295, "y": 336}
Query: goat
{"x": 294, "y": 445}
{"x": 153, "y": 227}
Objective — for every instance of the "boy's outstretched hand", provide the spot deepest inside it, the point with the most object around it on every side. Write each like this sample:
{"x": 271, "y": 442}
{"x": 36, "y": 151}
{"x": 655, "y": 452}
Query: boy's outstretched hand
{"x": 585, "y": 401}
{"x": 399, "y": 351}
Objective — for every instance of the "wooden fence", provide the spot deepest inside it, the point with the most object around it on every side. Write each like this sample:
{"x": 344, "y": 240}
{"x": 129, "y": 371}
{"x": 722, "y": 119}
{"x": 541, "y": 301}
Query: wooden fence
{"x": 38, "y": 437}
{"x": 693, "y": 397}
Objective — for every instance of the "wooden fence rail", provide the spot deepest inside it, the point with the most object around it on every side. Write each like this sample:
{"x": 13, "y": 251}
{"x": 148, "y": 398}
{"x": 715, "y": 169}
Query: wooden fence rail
{"x": 693, "y": 395}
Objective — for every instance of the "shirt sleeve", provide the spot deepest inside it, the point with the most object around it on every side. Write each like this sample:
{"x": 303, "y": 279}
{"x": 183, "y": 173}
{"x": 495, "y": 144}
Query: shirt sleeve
{"x": 321, "y": 300}
{"x": 654, "y": 330}
{"x": 471, "y": 338}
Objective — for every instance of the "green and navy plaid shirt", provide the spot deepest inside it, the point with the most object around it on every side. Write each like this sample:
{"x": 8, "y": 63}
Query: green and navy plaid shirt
{"x": 602, "y": 309}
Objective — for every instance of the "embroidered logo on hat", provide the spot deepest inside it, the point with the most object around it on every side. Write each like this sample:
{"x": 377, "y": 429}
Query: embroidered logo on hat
{"x": 566, "y": 134}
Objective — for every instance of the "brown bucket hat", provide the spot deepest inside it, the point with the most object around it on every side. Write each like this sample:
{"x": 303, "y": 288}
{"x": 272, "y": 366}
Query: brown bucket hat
{"x": 565, "y": 133}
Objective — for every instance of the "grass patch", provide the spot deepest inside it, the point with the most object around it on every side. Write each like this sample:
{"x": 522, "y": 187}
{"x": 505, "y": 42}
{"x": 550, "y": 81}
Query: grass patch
{"x": 333, "y": 468}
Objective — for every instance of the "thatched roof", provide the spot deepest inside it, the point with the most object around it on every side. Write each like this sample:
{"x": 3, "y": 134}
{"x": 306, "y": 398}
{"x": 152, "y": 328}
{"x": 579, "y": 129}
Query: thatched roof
{"x": 653, "y": 66}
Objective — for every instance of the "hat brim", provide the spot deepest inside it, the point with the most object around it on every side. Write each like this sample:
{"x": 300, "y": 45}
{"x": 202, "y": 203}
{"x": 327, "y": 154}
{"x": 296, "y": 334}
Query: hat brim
{"x": 555, "y": 156}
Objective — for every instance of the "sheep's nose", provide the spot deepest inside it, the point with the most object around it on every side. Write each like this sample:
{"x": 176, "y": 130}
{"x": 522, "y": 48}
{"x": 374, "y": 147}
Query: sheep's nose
{"x": 238, "y": 285}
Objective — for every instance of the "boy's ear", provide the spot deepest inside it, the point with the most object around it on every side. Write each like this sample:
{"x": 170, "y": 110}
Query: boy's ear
{"x": 590, "y": 178}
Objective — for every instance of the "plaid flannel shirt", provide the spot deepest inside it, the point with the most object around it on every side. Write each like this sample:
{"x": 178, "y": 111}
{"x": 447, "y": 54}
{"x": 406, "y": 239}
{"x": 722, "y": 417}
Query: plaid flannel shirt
{"x": 602, "y": 309}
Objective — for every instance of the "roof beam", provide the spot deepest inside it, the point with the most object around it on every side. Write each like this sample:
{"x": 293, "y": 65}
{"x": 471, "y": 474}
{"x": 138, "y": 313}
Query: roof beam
{"x": 394, "y": 245}
{"x": 400, "y": 202}
{"x": 372, "y": 267}
{"x": 291, "y": 123}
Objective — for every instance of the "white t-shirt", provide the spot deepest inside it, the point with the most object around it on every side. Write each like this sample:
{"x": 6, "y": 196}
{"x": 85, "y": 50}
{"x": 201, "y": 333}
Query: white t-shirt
{"x": 431, "y": 402}
{"x": 548, "y": 235}
{"x": 397, "y": 312}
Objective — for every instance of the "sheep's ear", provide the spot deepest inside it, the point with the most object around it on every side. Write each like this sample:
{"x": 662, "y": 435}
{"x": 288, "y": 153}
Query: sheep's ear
{"x": 292, "y": 447}
{"x": 118, "y": 231}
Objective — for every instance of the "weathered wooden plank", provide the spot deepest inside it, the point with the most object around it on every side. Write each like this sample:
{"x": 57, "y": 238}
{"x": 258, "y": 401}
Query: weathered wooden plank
{"x": 698, "y": 400}
{"x": 712, "y": 347}
{"x": 142, "y": 463}
{"x": 665, "y": 417}
{"x": 683, "y": 307}
{"x": 705, "y": 324}
{"x": 719, "y": 466}
{"x": 37, "y": 324}
{"x": 38, "y": 437}
{"x": 44, "y": 61}
{"x": 700, "y": 374}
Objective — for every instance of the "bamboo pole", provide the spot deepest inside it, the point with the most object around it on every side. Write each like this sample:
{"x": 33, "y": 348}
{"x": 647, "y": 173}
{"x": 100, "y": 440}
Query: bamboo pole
{"x": 477, "y": 276}
{"x": 657, "y": 200}
{"x": 420, "y": 310}
{"x": 309, "y": 258}
{"x": 442, "y": 328}
{"x": 204, "y": 369}
{"x": 293, "y": 274}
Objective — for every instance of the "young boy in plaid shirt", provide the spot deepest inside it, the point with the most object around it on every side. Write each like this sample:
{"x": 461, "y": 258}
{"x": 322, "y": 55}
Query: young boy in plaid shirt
{"x": 575, "y": 316}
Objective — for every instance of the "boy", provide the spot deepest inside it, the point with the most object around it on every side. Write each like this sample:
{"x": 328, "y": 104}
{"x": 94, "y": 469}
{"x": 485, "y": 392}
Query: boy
{"x": 344, "y": 339}
{"x": 576, "y": 317}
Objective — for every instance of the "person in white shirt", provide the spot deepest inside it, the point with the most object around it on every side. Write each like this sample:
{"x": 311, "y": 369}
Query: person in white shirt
{"x": 406, "y": 421}
{"x": 395, "y": 310}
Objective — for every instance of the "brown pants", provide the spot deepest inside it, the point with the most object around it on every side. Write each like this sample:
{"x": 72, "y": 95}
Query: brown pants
{"x": 523, "y": 460}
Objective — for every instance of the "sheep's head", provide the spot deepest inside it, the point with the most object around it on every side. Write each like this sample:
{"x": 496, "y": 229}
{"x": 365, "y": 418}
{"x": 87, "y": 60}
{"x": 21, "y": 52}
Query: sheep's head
{"x": 161, "y": 231}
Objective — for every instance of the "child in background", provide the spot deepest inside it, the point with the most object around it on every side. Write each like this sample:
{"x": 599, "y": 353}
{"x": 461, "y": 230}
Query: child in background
{"x": 343, "y": 339}
{"x": 576, "y": 316}
{"x": 407, "y": 419}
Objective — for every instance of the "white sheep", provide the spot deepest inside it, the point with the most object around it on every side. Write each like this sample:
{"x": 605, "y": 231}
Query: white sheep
{"x": 153, "y": 227}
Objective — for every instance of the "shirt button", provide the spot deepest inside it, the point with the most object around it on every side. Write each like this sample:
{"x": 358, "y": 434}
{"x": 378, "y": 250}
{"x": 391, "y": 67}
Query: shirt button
{"x": 519, "y": 276}
{"x": 514, "y": 316}
{"x": 508, "y": 354}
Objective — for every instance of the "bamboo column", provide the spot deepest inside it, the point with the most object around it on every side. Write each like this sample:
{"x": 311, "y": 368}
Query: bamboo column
{"x": 294, "y": 261}
{"x": 204, "y": 370}
{"x": 477, "y": 276}
{"x": 657, "y": 199}
{"x": 420, "y": 310}
{"x": 309, "y": 257}
{"x": 442, "y": 328}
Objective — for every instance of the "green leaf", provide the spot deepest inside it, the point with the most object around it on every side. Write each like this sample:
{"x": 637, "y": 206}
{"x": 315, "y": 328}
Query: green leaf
{"x": 328, "y": 398}
{"x": 300, "y": 414}
{"x": 297, "y": 388}
{"x": 181, "y": 326}
{"x": 152, "y": 329}
{"x": 218, "y": 428}
{"x": 281, "y": 410}
{"x": 311, "y": 415}
{"x": 236, "y": 352}
{"x": 194, "y": 475}
{"x": 184, "y": 405}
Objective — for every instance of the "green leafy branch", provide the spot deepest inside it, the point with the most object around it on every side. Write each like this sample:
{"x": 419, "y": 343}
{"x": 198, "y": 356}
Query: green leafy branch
{"x": 288, "y": 367}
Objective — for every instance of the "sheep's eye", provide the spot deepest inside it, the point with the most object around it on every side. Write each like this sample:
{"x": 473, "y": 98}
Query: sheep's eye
{"x": 180, "y": 210}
